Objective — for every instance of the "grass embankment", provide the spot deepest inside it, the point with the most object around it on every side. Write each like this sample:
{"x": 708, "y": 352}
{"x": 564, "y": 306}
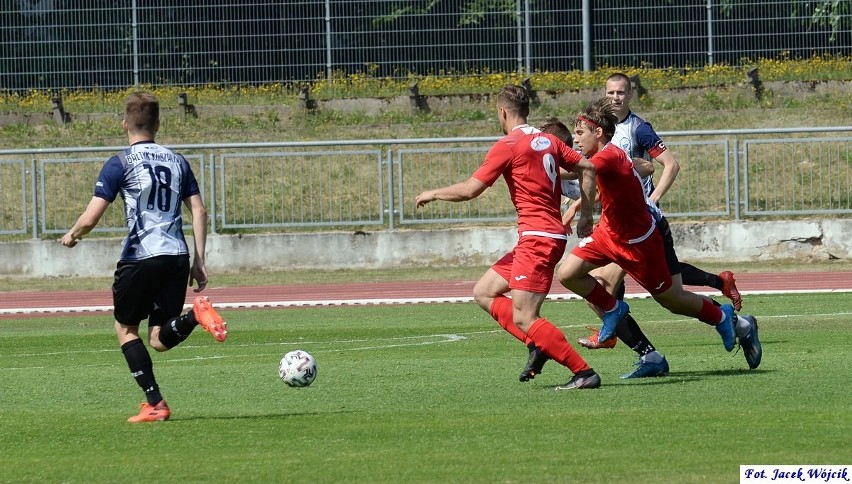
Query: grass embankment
{"x": 797, "y": 92}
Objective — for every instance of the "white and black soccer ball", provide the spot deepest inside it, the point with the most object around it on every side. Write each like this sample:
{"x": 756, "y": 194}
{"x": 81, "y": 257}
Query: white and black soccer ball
{"x": 298, "y": 368}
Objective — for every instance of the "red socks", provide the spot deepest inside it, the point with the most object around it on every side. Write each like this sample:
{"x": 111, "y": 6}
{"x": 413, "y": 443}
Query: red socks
{"x": 600, "y": 298}
{"x": 543, "y": 333}
{"x": 549, "y": 339}
{"x": 501, "y": 310}
{"x": 710, "y": 313}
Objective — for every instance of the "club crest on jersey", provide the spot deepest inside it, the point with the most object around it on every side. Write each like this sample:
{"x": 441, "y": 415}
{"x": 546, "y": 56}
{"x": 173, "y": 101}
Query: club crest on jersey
{"x": 540, "y": 143}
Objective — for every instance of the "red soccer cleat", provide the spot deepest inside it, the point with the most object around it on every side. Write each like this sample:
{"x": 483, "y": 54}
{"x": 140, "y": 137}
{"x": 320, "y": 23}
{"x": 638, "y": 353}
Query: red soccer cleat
{"x": 149, "y": 413}
{"x": 209, "y": 319}
{"x": 729, "y": 289}
{"x": 591, "y": 342}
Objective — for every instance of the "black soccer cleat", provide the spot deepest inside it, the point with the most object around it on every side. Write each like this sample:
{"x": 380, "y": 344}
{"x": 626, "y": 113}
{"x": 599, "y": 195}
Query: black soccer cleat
{"x": 534, "y": 364}
{"x": 750, "y": 344}
{"x": 584, "y": 380}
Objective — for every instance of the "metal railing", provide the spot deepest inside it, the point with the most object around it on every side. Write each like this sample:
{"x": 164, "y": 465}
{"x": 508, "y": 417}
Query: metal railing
{"x": 86, "y": 44}
{"x": 372, "y": 183}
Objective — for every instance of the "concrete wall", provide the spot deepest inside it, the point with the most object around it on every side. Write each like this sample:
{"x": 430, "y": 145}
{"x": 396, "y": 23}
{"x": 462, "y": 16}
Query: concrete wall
{"x": 727, "y": 241}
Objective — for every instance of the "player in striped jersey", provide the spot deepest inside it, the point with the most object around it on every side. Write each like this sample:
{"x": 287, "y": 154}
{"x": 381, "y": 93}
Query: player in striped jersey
{"x": 154, "y": 267}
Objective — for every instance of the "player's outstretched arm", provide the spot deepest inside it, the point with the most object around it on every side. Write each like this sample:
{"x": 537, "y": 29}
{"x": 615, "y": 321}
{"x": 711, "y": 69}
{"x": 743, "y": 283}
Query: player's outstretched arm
{"x": 459, "y": 192}
{"x": 87, "y": 221}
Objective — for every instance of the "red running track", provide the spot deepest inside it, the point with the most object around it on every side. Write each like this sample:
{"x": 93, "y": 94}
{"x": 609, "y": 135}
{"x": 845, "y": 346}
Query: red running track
{"x": 16, "y": 304}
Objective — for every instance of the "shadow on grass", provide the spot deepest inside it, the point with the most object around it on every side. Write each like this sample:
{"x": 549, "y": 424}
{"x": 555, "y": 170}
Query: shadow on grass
{"x": 690, "y": 376}
{"x": 717, "y": 344}
{"x": 258, "y": 417}
{"x": 729, "y": 372}
{"x": 677, "y": 377}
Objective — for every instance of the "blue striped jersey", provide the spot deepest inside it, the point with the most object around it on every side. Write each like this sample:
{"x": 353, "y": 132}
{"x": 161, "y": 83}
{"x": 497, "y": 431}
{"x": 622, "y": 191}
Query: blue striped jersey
{"x": 638, "y": 139}
{"x": 153, "y": 181}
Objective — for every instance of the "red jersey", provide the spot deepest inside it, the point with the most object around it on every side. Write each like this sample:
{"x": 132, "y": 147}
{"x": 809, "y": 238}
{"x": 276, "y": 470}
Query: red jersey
{"x": 529, "y": 161}
{"x": 624, "y": 215}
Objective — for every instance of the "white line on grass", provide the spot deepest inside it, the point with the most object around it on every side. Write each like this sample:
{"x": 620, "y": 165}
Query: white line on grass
{"x": 378, "y": 301}
{"x": 393, "y": 342}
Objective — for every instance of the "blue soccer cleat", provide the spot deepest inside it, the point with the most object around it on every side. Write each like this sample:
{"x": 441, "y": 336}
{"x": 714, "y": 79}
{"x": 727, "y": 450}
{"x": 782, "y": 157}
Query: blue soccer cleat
{"x": 726, "y": 327}
{"x": 611, "y": 319}
{"x": 750, "y": 343}
{"x": 646, "y": 369}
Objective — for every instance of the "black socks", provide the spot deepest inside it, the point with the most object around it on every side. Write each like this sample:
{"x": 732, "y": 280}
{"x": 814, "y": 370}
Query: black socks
{"x": 693, "y": 276}
{"x": 629, "y": 332}
{"x": 141, "y": 368}
{"x": 176, "y": 330}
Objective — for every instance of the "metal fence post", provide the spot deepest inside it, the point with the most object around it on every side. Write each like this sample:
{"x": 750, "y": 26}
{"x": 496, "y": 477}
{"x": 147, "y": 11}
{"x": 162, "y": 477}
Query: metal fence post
{"x": 34, "y": 188}
{"x": 391, "y": 205}
{"x": 135, "y": 41}
{"x": 328, "y": 41}
{"x": 519, "y": 37}
{"x": 587, "y": 35}
{"x": 212, "y": 172}
{"x": 710, "y": 32}
{"x": 737, "y": 199}
{"x": 528, "y": 37}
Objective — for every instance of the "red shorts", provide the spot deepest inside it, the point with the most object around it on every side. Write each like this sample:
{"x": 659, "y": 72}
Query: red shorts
{"x": 530, "y": 265}
{"x": 644, "y": 261}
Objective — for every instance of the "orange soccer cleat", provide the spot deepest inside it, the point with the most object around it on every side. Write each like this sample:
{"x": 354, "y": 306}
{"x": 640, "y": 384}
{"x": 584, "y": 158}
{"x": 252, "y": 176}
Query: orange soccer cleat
{"x": 591, "y": 342}
{"x": 209, "y": 319}
{"x": 729, "y": 289}
{"x": 152, "y": 413}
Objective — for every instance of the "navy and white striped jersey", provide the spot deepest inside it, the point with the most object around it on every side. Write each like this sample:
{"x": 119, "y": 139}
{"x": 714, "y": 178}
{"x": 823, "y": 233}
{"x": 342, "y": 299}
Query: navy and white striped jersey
{"x": 638, "y": 139}
{"x": 153, "y": 181}
{"x": 635, "y": 136}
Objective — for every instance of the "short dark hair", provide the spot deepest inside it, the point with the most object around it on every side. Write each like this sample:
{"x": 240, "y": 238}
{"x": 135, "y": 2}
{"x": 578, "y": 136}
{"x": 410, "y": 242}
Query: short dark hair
{"x": 599, "y": 114}
{"x": 142, "y": 112}
{"x": 620, "y": 76}
{"x": 557, "y": 128}
{"x": 515, "y": 99}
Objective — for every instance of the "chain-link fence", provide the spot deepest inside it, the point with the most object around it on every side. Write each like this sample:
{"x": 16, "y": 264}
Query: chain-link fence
{"x": 57, "y": 44}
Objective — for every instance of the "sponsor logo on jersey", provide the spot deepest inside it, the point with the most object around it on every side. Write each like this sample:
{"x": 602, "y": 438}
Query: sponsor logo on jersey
{"x": 540, "y": 143}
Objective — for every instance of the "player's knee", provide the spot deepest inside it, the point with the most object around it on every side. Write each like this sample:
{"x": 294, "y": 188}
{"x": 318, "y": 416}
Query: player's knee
{"x": 154, "y": 339}
{"x": 669, "y": 303}
{"x": 483, "y": 300}
{"x": 157, "y": 345}
{"x": 523, "y": 321}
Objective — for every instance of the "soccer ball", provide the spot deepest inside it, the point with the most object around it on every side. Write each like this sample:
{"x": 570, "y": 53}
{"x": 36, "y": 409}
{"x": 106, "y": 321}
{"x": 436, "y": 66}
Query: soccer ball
{"x": 298, "y": 368}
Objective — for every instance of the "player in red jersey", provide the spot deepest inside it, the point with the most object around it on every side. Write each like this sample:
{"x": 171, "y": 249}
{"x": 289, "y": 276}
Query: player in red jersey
{"x": 626, "y": 234}
{"x": 529, "y": 162}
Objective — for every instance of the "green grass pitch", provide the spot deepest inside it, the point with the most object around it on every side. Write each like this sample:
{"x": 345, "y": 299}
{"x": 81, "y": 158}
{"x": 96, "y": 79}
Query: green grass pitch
{"x": 425, "y": 393}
